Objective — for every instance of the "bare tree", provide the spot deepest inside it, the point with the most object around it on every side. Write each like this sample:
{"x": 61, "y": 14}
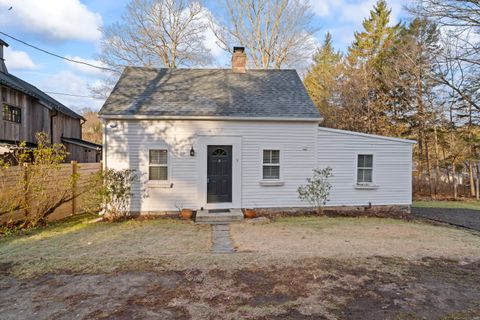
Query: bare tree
{"x": 153, "y": 33}
{"x": 92, "y": 128}
{"x": 276, "y": 33}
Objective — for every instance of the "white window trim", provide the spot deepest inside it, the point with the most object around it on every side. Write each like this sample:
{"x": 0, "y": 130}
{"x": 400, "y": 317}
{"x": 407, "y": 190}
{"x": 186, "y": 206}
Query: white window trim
{"x": 272, "y": 182}
{"x": 365, "y": 185}
{"x": 159, "y": 183}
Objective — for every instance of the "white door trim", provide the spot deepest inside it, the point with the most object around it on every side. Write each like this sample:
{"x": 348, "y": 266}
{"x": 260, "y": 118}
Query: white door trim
{"x": 202, "y": 156}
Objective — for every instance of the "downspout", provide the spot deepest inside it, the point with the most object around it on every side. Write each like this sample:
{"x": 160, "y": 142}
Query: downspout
{"x": 104, "y": 145}
{"x": 82, "y": 121}
{"x": 51, "y": 125}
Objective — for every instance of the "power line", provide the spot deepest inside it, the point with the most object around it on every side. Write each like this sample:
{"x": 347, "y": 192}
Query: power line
{"x": 72, "y": 95}
{"x": 57, "y": 55}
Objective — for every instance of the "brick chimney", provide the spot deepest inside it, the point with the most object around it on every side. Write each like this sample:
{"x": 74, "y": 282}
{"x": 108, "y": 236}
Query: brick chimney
{"x": 239, "y": 60}
{"x": 3, "y": 67}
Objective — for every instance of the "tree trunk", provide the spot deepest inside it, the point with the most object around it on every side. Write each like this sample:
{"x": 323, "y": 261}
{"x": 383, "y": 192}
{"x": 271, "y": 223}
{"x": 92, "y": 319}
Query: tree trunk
{"x": 472, "y": 179}
{"x": 420, "y": 163}
{"x": 429, "y": 169}
{"x": 437, "y": 162}
{"x": 454, "y": 175}
{"x": 478, "y": 181}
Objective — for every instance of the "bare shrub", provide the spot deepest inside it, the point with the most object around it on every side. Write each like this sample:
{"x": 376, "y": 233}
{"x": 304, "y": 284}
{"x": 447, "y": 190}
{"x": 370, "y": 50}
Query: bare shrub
{"x": 42, "y": 187}
{"x": 317, "y": 189}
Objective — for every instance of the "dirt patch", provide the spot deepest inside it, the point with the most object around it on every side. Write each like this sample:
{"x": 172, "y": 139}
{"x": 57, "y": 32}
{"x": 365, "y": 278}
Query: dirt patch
{"x": 377, "y": 288}
{"x": 432, "y": 290}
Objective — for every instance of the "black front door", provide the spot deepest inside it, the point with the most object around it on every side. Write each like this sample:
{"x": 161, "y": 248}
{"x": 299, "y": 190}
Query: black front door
{"x": 219, "y": 174}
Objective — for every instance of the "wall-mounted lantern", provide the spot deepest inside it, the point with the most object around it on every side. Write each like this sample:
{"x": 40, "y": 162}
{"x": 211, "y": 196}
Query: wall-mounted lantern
{"x": 192, "y": 152}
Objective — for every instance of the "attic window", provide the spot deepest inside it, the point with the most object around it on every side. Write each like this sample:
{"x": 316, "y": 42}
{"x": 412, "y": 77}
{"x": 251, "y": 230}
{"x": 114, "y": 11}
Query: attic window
{"x": 11, "y": 113}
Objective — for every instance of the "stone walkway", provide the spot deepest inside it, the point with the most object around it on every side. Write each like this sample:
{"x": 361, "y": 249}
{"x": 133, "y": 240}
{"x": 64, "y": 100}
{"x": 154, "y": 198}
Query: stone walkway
{"x": 221, "y": 240}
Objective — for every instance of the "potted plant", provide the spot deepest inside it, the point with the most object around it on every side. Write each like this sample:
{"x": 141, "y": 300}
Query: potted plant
{"x": 249, "y": 213}
{"x": 186, "y": 214}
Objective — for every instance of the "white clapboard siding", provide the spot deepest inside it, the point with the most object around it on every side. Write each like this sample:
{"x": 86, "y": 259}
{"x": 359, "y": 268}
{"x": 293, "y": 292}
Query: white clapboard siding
{"x": 392, "y": 167}
{"x": 127, "y": 144}
{"x": 303, "y": 146}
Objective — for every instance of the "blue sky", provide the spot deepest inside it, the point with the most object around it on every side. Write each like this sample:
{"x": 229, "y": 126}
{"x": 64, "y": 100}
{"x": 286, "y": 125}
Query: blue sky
{"x": 71, "y": 28}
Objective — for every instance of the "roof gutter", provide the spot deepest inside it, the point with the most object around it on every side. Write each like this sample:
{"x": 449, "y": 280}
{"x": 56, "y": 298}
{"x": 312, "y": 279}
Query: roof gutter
{"x": 212, "y": 118}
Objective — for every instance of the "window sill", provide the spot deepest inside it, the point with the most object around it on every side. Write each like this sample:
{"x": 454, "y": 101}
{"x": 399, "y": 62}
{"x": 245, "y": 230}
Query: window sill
{"x": 271, "y": 183}
{"x": 366, "y": 187}
{"x": 160, "y": 184}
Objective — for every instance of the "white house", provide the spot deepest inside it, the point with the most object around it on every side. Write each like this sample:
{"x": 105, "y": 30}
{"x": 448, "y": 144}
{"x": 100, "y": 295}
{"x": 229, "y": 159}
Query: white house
{"x": 237, "y": 138}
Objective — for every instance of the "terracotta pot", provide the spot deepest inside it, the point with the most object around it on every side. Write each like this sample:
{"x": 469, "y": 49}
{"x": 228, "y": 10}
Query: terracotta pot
{"x": 186, "y": 214}
{"x": 250, "y": 213}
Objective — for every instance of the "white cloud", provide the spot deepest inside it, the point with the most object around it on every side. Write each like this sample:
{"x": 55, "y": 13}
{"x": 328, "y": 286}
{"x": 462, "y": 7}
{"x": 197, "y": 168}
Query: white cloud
{"x": 346, "y": 16}
{"x": 68, "y": 82}
{"x": 55, "y": 19}
{"x": 323, "y": 8}
{"x": 210, "y": 40}
{"x": 18, "y": 60}
{"x": 356, "y": 12}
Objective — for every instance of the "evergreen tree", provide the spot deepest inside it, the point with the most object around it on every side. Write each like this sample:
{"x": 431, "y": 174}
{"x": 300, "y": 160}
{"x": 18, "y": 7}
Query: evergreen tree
{"x": 322, "y": 78}
{"x": 366, "y": 101}
{"x": 375, "y": 42}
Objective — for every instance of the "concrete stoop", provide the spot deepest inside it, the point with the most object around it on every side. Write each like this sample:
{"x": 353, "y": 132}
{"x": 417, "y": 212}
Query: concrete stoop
{"x": 218, "y": 216}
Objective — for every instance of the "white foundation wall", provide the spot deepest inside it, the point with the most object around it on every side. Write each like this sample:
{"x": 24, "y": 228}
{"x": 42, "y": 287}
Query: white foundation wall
{"x": 126, "y": 145}
{"x": 392, "y": 167}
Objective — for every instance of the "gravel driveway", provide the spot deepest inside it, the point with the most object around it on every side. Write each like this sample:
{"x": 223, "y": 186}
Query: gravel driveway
{"x": 461, "y": 217}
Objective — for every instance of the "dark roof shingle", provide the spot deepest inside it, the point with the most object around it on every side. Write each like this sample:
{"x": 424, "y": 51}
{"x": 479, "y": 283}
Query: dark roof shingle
{"x": 210, "y": 93}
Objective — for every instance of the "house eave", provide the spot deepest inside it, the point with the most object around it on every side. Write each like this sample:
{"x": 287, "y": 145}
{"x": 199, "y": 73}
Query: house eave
{"x": 353, "y": 133}
{"x": 82, "y": 143}
{"x": 211, "y": 118}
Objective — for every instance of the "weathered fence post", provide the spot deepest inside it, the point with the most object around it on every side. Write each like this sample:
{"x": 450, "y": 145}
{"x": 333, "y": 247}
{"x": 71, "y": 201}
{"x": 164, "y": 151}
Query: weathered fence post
{"x": 26, "y": 182}
{"x": 74, "y": 187}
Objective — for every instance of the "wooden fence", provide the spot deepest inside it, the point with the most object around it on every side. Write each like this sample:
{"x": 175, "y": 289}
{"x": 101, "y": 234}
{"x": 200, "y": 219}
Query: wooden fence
{"x": 15, "y": 176}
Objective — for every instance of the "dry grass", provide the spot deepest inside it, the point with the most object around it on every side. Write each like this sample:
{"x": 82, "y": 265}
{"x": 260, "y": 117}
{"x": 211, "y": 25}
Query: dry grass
{"x": 356, "y": 238}
{"x": 302, "y": 267}
{"x": 89, "y": 247}
{"x": 166, "y": 244}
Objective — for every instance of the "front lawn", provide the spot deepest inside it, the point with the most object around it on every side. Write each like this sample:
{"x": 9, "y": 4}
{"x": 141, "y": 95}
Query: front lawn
{"x": 356, "y": 237}
{"x": 460, "y": 204}
{"x": 292, "y": 268}
{"x": 83, "y": 246}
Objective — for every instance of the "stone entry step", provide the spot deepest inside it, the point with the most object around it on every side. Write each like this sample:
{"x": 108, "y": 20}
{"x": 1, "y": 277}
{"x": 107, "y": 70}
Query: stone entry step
{"x": 221, "y": 240}
{"x": 218, "y": 216}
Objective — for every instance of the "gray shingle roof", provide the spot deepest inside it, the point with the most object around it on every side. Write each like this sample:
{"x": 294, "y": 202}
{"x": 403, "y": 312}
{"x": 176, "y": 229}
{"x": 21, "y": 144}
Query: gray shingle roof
{"x": 13, "y": 82}
{"x": 210, "y": 93}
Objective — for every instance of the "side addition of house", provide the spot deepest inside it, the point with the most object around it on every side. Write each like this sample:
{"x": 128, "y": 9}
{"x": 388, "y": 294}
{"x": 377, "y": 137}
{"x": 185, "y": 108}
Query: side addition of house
{"x": 26, "y": 110}
{"x": 238, "y": 138}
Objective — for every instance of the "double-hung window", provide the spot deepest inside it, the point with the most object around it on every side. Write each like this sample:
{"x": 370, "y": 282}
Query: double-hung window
{"x": 271, "y": 164}
{"x": 365, "y": 169}
{"x": 11, "y": 113}
{"x": 158, "y": 165}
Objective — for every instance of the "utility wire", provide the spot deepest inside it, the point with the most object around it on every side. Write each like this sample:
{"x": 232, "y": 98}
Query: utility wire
{"x": 72, "y": 95}
{"x": 56, "y": 55}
